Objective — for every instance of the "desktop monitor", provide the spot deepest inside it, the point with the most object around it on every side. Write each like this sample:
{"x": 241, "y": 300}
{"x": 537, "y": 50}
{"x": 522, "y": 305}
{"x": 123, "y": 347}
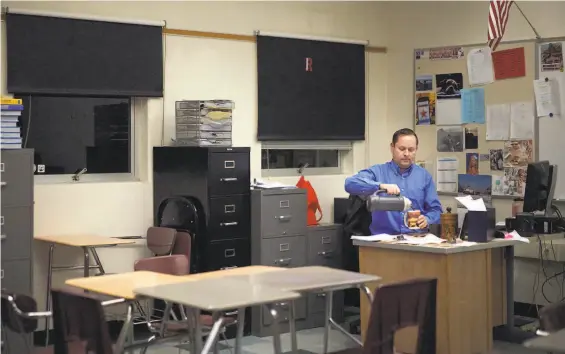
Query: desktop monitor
{"x": 540, "y": 185}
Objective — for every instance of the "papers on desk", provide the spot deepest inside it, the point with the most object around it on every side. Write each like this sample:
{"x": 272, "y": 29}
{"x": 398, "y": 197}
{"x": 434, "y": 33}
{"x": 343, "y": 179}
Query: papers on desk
{"x": 472, "y": 204}
{"x": 428, "y": 239}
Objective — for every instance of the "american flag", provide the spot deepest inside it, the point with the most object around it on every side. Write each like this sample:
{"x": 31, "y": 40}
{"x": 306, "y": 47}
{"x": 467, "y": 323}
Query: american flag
{"x": 497, "y": 19}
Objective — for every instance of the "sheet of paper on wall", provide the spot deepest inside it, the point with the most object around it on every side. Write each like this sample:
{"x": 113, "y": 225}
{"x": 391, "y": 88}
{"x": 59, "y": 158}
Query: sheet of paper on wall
{"x": 446, "y": 174}
{"x": 509, "y": 63}
{"x": 448, "y": 112}
{"x": 473, "y": 105}
{"x": 498, "y": 122}
{"x": 522, "y": 120}
{"x": 546, "y": 92}
{"x": 472, "y": 204}
{"x": 480, "y": 67}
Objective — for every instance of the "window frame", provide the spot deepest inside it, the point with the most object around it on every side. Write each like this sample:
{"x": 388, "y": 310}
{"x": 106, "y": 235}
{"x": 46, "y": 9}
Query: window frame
{"x": 343, "y": 148}
{"x": 99, "y": 177}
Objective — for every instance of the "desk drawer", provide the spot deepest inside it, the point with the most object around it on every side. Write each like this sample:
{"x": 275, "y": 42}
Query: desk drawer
{"x": 284, "y": 311}
{"x": 16, "y": 276}
{"x": 228, "y": 173}
{"x": 283, "y": 215}
{"x": 284, "y": 251}
{"x": 16, "y": 175}
{"x": 227, "y": 254}
{"x": 324, "y": 248}
{"x": 229, "y": 218}
{"x": 16, "y": 226}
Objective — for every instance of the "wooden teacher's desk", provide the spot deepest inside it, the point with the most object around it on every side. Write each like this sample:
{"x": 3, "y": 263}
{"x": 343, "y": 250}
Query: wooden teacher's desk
{"x": 475, "y": 289}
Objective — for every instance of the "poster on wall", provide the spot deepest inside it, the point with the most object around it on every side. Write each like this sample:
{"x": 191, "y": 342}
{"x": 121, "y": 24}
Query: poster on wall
{"x": 449, "y": 85}
{"x": 425, "y": 108}
{"x": 551, "y": 56}
{"x": 448, "y": 53}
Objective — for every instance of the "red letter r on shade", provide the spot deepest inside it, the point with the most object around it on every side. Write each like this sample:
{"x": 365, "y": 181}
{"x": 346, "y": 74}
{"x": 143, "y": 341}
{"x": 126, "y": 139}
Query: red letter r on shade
{"x": 308, "y": 64}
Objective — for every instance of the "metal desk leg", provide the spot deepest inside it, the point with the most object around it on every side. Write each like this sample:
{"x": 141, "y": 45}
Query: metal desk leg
{"x": 48, "y": 295}
{"x": 125, "y": 338}
{"x": 276, "y": 332}
{"x": 212, "y": 339}
{"x": 86, "y": 262}
{"x": 327, "y": 322}
{"x": 97, "y": 260}
{"x": 197, "y": 331}
{"x": 240, "y": 326}
{"x": 292, "y": 327}
{"x": 510, "y": 286}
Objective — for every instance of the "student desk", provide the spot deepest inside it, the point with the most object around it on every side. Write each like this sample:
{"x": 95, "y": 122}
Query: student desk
{"x": 316, "y": 279}
{"x": 475, "y": 288}
{"x": 88, "y": 244}
{"x": 553, "y": 343}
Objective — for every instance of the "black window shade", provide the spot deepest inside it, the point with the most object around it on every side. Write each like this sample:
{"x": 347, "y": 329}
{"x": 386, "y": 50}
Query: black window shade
{"x": 324, "y": 101}
{"x": 61, "y": 56}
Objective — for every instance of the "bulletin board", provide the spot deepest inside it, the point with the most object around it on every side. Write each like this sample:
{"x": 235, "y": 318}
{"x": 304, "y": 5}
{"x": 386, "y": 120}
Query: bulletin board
{"x": 549, "y": 57}
{"x": 443, "y": 138}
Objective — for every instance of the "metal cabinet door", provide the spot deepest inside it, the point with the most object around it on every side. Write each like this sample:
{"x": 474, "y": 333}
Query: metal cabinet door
{"x": 16, "y": 227}
{"x": 283, "y": 215}
{"x": 16, "y": 175}
{"x": 284, "y": 251}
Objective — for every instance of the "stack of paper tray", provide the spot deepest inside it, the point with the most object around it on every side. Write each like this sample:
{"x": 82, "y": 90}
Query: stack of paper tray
{"x": 203, "y": 123}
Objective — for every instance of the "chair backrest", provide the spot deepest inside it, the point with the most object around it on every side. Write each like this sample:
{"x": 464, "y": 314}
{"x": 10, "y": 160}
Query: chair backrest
{"x": 160, "y": 240}
{"x": 399, "y": 305}
{"x": 78, "y": 318}
{"x": 552, "y": 317}
{"x": 176, "y": 264}
{"x": 183, "y": 246}
{"x": 10, "y": 316}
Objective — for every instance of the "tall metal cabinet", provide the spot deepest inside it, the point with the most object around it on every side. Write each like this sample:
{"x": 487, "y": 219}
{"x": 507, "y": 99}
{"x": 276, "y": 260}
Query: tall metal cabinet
{"x": 16, "y": 220}
{"x": 280, "y": 237}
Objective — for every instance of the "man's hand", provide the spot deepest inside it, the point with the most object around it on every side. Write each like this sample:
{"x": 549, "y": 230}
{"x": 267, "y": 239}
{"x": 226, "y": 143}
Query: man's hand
{"x": 390, "y": 188}
{"x": 422, "y": 222}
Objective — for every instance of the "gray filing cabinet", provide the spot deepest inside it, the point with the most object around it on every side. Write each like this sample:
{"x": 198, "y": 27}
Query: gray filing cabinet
{"x": 16, "y": 223}
{"x": 280, "y": 237}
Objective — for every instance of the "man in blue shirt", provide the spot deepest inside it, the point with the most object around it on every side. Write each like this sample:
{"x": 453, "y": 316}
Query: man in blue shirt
{"x": 399, "y": 176}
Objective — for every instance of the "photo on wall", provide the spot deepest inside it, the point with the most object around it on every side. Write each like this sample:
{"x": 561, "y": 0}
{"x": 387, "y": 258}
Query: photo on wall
{"x": 450, "y": 139}
{"x": 425, "y": 108}
{"x": 475, "y": 185}
{"x": 518, "y": 153}
{"x": 449, "y": 85}
{"x": 424, "y": 83}
{"x": 496, "y": 160}
{"x": 514, "y": 181}
{"x": 551, "y": 56}
{"x": 472, "y": 165}
{"x": 471, "y": 138}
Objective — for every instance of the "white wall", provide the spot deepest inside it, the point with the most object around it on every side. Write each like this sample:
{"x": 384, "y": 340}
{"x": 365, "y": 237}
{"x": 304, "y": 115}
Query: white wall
{"x": 194, "y": 69}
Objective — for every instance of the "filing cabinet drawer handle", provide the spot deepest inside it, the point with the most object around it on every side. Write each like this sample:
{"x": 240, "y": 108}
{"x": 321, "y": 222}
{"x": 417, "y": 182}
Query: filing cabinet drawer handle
{"x": 326, "y": 254}
{"x": 229, "y": 253}
{"x": 283, "y": 262}
{"x": 226, "y": 268}
{"x": 3, "y": 237}
{"x": 229, "y": 208}
{"x": 228, "y": 223}
{"x": 284, "y": 204}
{"x": 1, "y": 166}
{"x": 283, "y": 217}
{"x": 3, "y": 184}
{"x": 321, "y": 295}
{"x": 326, "y": 240}
{"x": 1, "y": 220}
{"x": 229, "y": 179}
{"x": 229, "y": 164}
{"x": 283, "y": 305}
{"x": 232, "y": 313}
{"x": 2, "y": 274}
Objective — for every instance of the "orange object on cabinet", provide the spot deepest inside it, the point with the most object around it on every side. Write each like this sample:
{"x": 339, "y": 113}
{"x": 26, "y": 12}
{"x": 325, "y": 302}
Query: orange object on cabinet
{"x": 312, "y": 203}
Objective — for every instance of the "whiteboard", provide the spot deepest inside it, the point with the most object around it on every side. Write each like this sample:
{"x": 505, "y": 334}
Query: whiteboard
{"x": 551, "y": 131}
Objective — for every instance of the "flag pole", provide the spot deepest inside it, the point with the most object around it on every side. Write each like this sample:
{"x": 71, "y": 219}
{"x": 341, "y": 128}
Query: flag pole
{"x": 529, "y": 23}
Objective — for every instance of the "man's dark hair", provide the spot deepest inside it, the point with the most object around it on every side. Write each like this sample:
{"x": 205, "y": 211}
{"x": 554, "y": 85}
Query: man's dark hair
{"x": 402, "y": 132}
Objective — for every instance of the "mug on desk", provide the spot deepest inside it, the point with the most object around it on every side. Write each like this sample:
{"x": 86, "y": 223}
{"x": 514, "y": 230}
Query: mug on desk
{"x": 411, "y": 219}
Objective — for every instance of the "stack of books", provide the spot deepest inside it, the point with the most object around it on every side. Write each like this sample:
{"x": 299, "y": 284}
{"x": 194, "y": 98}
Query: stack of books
{"x": 204, "y": 123}
{"x": 10, "y": 129}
